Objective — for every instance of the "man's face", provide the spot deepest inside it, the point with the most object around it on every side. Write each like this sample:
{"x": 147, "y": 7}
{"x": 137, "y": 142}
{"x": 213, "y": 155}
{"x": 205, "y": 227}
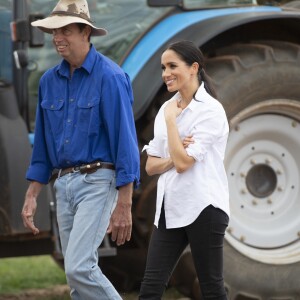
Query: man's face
{"x": 69, "y": 41}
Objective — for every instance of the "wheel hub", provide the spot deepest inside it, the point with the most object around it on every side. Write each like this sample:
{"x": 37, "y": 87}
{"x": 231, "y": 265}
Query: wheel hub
{"x": 261, "y": 180}
{"x": 263, "y": 162}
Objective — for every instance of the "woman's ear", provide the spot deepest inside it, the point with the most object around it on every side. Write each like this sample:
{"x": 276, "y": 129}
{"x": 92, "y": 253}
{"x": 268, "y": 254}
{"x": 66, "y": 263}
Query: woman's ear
{"x": 195, "y": 67}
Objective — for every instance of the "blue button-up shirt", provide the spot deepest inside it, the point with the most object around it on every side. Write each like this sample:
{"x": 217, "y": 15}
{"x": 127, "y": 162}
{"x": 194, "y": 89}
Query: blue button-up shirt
{"x": 85, "y": 118}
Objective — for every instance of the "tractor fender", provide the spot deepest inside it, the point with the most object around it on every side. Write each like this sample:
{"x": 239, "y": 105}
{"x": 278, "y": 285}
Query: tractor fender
{"x": 201, "y": 27}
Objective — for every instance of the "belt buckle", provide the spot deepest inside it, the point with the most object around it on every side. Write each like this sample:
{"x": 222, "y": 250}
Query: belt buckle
{"x": 84, "y": 168}
{"x": 75, "y": 169}
{"x": 89, "y": 168}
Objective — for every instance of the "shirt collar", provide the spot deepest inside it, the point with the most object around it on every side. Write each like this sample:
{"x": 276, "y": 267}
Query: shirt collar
{"x": 201, "y": 94}
{"x": 64, "y": 66}
{"x": 89, "y": 61}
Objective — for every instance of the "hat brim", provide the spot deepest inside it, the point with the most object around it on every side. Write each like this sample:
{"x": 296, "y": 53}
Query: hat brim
{"x": 53, "y": 22}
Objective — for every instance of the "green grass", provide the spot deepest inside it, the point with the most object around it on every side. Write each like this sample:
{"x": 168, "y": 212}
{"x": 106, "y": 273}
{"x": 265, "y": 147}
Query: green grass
{"x": 33, "y": 272}
{"x": 40, "y": 274}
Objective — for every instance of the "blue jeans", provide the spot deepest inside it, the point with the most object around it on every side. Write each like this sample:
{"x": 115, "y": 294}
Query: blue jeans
{"x": 84, "y": 205}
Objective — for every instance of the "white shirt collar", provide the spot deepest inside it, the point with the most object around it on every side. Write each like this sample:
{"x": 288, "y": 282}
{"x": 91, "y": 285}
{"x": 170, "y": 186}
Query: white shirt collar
{"x": 201, "y": 95}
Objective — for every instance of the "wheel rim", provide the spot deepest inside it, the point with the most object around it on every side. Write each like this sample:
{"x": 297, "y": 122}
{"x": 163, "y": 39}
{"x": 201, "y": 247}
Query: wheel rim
{"x": 263, "y": 162}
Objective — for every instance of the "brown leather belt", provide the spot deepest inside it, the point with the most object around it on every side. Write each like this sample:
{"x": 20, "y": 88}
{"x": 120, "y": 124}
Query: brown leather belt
{"x": 83, "y": 169}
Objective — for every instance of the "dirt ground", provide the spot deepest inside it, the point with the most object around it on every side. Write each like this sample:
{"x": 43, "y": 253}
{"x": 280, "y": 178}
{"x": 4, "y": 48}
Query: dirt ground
{"x": 61, "y": 292}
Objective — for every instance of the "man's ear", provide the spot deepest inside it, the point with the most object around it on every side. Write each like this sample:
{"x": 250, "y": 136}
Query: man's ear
{"x": 87, "y": 30}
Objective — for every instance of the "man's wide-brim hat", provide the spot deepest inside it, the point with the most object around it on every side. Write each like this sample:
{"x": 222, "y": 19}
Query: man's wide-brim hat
{"x": 67, "y": 12}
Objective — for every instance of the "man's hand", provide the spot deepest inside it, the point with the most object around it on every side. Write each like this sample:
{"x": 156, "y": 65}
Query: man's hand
{"x": 30, "y": 205}
{"x": 120, "y": 225}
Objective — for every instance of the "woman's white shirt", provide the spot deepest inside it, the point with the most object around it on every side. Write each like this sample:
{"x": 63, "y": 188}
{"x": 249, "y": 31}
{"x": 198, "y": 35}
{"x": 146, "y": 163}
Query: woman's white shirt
{"x": 186, "y": 194}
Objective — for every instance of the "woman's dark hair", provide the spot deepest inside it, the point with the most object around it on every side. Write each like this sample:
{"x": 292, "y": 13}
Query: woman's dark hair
{"x": 190, "y": 53}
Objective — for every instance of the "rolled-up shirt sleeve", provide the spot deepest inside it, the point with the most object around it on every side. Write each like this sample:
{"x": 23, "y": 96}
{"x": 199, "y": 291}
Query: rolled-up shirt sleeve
{"x": 210, "y": 127}
{"x": 119, "y": 122}
{"x": 158, "y": 145}
{"x": 40, "y": 168}
{"x": 152, "y": 148}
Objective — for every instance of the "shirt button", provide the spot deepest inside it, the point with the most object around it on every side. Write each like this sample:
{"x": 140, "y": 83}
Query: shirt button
{"x": 71, "y": 100}
{"x": 69, "y": 121}
{"x": 52, "y": 106}
{"x": 67, "y": 141}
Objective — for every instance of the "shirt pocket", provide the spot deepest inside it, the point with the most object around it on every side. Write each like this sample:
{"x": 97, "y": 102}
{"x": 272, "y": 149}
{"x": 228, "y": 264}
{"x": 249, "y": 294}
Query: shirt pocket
{"x": 54, "y": 115}
{"x": 88, "y": 118}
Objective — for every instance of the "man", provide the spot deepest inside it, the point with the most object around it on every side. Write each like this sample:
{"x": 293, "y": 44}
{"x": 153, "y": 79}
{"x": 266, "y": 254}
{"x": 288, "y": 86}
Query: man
{"x": 85, "y": 130}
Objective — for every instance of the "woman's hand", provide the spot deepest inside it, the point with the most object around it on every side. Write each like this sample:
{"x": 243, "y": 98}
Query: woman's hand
{"x": 172, "y": 110}
{"x": 187, "y": 141}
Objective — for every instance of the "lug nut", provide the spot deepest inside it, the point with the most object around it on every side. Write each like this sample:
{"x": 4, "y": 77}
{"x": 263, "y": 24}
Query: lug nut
{"x": 280, "y": 189}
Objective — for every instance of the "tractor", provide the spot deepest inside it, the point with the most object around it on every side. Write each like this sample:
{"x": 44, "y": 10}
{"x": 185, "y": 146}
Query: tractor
{"x": 252, "y": 51}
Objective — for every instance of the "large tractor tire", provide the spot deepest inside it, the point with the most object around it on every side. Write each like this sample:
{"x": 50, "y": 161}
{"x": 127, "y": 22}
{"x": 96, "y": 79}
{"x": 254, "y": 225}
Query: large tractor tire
{"x": 258, "y": 85}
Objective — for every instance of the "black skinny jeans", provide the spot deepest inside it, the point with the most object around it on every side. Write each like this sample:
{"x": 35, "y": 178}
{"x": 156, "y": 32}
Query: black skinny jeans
{"x": 205, "y": 236}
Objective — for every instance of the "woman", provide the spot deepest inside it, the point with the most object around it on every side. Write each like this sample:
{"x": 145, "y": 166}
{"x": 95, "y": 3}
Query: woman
{"x": 190, "y": 135}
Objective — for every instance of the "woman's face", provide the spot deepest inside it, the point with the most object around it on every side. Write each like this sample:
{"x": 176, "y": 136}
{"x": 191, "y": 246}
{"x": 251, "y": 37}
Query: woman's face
{"x": 176, "y": 74}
